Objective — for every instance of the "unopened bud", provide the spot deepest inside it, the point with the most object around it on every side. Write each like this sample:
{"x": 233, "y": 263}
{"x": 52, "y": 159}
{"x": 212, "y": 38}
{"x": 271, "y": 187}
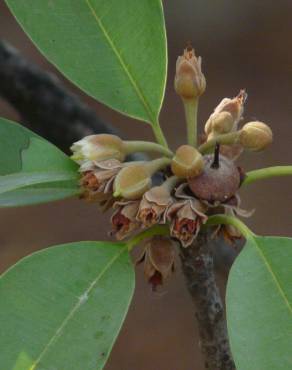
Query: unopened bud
{"x": 187, "y": 162}
{"x": 189, "y": 82}
{"x": 132, "y": 182}
{"x": 218, "y": 124}
{"x": 256, "y": 136}
{"x": 98, "y": 148}
{"x": 226, "y": 115}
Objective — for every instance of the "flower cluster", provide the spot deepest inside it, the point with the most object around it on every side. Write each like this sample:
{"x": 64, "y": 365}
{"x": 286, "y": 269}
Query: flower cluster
{"x": 196, "y": 181}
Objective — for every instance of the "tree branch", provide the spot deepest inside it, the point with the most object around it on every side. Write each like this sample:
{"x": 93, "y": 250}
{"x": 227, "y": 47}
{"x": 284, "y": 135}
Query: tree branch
{"x": 198, "y": 268}
{"x": 44, "y": 104}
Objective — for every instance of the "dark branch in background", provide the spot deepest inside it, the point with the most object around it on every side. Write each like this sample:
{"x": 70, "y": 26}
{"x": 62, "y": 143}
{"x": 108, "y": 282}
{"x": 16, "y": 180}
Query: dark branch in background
{"x": 198, "y": 268}
{"x": 43, "y": 103}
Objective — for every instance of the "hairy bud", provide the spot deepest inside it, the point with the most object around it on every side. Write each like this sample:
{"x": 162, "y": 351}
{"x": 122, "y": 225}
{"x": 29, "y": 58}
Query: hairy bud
{"x": 189, "y": 83}
{"x": 255, "y": 136}
{"x": 187, "y": 162}
{"x": 98, "y": 148}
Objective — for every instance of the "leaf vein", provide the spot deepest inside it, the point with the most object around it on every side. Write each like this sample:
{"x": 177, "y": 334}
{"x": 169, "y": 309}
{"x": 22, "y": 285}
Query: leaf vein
{"x": 75, "y": 308}
{"x": 134, "y": 83}
{"x": 274, "y": 277}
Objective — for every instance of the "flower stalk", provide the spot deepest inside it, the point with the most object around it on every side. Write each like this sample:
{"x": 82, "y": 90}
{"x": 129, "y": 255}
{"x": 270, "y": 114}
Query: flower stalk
{"x": 154, "y": 230}
{"x": 267, "y": 173}
{"x": 159, "y": 135}
{"x": 224, "y": 139}
{"x": 157, "y": 164}
{"x": 146, "y": 146}
{"x": 191, "y": 113}
{"x": 229, "y": 220}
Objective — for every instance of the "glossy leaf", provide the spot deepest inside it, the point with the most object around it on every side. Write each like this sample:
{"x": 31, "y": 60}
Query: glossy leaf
{"x": 28, "y": 160}
{"x": 62, "y": 308}
{"x": 113, "y": 50}
{"x": 41, "y": 193}
{"x": 25, "y": 151}
{"x": 24, "y": 179}
{"x": 259, "y": 305}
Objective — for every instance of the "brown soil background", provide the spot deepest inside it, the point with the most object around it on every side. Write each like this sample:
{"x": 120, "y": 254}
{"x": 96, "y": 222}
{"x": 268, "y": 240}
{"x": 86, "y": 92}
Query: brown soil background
{"x": 244, "y": 44}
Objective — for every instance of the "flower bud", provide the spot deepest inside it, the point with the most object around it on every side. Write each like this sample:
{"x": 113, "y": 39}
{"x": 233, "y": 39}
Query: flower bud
{"x": 219, "y": 124}
{"x": 189, "y": 82}
{"x": 256, "y": 136}
{"x": 187, "y": 162}
{"x": 226, "y": 115}
{"x": 132, "y": 181}
{"x": 98, "y": 148}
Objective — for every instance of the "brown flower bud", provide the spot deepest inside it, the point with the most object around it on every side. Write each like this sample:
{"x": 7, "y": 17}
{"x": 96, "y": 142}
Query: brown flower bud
{"x": 124, "y": 219}
{"x": 189, "y": 82}
{"x": 132, "y": 182}
{"x": 216, "y": 183}
{"x": 158, "y": 257}
{"x": 256, "y": 136}
{"x": 187, "y": 162}
{"x": 98, "y": 148}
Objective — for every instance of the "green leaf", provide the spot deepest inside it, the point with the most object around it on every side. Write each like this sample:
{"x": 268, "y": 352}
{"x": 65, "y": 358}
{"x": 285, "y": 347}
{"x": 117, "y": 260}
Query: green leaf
{"x": 41, "y": 193}
{"x": 24, "y": 151}
{"x": 24, "y": 179}
{"x": 259, "y": 305}
{"x": 27, "y": 160}
{"x": 62, "y": 308}
{"x": 113, "y": 50}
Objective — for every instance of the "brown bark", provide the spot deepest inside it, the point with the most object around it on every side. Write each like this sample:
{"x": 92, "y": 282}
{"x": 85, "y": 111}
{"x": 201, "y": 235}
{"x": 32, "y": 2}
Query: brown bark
{"x": 198, "y": 268}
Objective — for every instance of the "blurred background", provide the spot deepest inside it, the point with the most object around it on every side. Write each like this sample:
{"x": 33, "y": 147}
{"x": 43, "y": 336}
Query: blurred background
{"x": 244, "y": 44}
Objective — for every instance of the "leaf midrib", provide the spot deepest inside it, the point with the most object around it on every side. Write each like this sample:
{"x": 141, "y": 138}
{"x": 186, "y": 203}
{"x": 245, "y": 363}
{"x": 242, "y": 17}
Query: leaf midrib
{"x": 137, "y": 89}
{"x": 274, "y": 277}
{"x": 20, "y": 180}
{"x": 78, "y": 304}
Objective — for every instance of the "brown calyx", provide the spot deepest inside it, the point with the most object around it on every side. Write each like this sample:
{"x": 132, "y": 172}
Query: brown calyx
{"x": 89, "y": 181}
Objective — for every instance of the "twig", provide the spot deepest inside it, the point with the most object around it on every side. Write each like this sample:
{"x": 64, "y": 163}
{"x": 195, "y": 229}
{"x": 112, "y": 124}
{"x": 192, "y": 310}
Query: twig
{"x": 198, "y": 268}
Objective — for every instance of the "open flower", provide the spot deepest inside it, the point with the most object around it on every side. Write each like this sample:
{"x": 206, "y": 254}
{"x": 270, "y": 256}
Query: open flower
{"x": 158, "y": 257}
{"x": 124, "y": 218}
{"x": 230, "y": 208}
{"x": 155, "y": 203}
{"x": 186, "y": 217}
{"x": 153, "y": 206}
{"x": 97, "y": 179}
